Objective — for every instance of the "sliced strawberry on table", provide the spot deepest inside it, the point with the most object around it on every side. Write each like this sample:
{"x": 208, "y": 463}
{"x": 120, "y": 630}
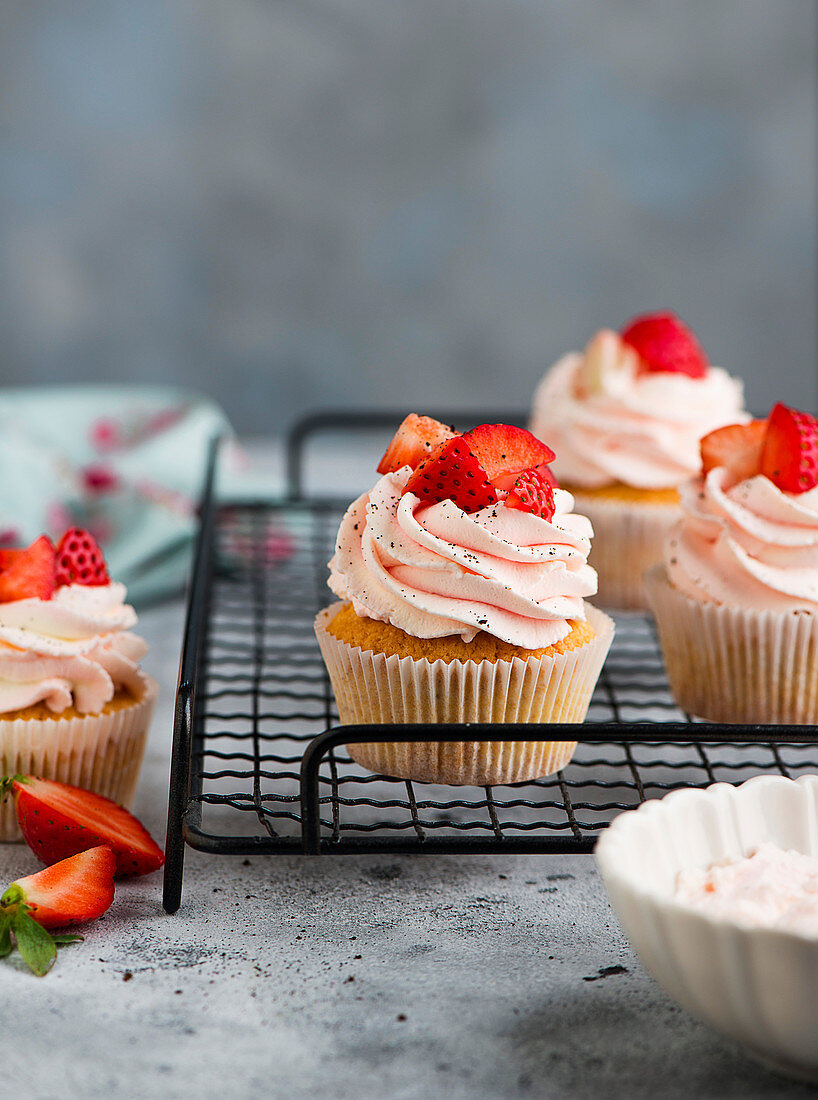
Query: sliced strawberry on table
{"x": 665, "y": 343}
{"x": 28, "y": 572}
{"x": 503, "y": 450}
{"x": 453, "y": 473}
{"x": 737, "y": 447}
{"x": 789, "y": 457}
{"x": 58, "y": 820}
{"x": 532, "y": 492}
{"x": 80, "y": 560}
{"x": 75, "y": 890}
{"x": 414, "y": 442}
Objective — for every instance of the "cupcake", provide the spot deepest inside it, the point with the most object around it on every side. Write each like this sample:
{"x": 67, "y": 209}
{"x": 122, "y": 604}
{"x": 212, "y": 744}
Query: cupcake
{"x": 74, "y": 705}
{"x": 462, "y": 576}
{"x": 625, "y": 418}
{"x": 736, "y": 596}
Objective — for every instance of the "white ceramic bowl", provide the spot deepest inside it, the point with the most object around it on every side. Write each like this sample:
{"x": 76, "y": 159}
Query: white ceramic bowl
{"x": 757, "y": 986}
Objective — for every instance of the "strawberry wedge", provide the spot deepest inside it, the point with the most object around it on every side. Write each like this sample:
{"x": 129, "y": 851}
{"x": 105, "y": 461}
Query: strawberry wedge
{"x": 665, "y": 344}
{"x": 736, "y": 447}
{"x": 58, "y": 820}
{"x": 28, "y": 572}
{"x": 413, "y": 442}
{"x": 790, "y": 454}
{"x": 505, "y": 452}
{"x": 452, "y": 473}
{"x": 77, "y": 889}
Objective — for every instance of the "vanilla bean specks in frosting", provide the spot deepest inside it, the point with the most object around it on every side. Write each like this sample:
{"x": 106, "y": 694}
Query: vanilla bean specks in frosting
{"x": 433, "y": 570}
{"x": 749, "y": 544}
{"x": 75, "y": 648}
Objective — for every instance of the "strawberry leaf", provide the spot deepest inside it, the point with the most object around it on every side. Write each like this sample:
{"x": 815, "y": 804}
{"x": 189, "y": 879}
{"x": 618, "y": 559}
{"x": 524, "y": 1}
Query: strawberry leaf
{"x": 35, "y": 945}
{"x": 5, "y": 935}
{"x": 63, "y": 938}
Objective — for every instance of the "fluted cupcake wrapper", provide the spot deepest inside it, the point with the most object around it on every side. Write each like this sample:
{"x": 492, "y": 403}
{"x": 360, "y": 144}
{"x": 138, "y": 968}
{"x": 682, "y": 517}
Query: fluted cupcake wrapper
{"x": 99, "y": 752}
{"x": 374, "y": 688}
{"x": 628, "y": 539}
{"x": 731, "y": 664}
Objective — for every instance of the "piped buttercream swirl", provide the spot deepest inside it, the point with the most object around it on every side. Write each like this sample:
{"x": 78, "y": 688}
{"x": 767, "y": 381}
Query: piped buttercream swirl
{"x": 433, "y": 570}
{"x": 750, "y": 544}
{"x": 608, "y": 421}
{"x": 74, "y": 649}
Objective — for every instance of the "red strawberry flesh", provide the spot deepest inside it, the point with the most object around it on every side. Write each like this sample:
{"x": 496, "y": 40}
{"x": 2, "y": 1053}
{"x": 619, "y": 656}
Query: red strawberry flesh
{"x": 58, "y": 820}
{"x": 413, "y": 442}
{"x": 531, "y": 492}
{"x": 453, "y": 473}
{"x": 736, "y": 447}
{"x": 503, "y": 450}
{"x": 80, "y": 560}
{"x": 789, "y": 457}
{"x": 77, "y": 889}
{"x": 27, "y": 573}
{"x": 664, "y": 343}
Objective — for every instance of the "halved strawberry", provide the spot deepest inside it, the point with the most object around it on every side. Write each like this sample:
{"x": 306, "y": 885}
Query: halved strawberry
{"x": 77, "y": 889}
{"x": 532, "y": 492}
{"x": 453, "y": 473}
{"x": 789, "y": 457}
{"x": 737, "y": 447}
{"x": 27, "y": 573}
{"x": 413, "y": 442}
{"x": 58, "y": 820}
{"x": 665, "y": 343}
{"x": 80, "y": 560}
{"x": 547, "y": 474}
{"x": 503, "y": 450}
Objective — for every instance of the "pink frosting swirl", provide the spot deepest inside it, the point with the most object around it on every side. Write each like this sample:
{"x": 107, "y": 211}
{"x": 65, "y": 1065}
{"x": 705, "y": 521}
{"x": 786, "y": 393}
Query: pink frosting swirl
{"x": 750, "y": 544}
{"x": 72, "y": 649}
{"x": 609, "y": 422}
{"x": 433, "y": 570}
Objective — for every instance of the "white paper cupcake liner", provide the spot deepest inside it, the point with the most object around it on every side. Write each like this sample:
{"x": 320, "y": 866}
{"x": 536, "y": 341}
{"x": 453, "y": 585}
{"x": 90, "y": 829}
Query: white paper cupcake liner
{"x": 729, "y": 664}
{"x": 374, "y": 688}
{"x": 99, "y": 752}
{"x": 628, "y": 539}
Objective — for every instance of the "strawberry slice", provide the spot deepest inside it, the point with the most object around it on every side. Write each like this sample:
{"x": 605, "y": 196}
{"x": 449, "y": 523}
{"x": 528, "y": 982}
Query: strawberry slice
{"x": 790, "y": 454}
{"x": 547, "y": 474}
{"x": 665, "y": 343}
{"x": 77, "y": 889}
{"x": 27, "y": 573}
{"x": 532, "y": 492}
{"x": 503, "y": 451}
{"x": 58, "y": 820}
{"x": 80, "y": 560}
{"x": 414, "y": 442}
{"x": 453, "y": 473}
{"x": 737, "y": 447}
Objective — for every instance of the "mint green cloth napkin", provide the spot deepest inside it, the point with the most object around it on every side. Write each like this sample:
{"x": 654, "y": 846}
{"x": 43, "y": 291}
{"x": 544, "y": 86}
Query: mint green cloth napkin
{"x": 125, "y": 462}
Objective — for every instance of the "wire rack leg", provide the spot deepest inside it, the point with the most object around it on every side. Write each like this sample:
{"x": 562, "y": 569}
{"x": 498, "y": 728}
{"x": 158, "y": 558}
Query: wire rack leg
{"x": 177, "y": 806}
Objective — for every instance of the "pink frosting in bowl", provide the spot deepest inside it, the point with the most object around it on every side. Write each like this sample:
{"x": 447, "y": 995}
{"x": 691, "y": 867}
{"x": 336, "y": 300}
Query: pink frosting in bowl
{"x": 608, "y": 421}
{"x": 433, "y": 570}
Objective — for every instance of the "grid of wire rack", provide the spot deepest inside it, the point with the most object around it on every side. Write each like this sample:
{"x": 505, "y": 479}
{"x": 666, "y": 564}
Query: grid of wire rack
{"x": 259, "y": 760}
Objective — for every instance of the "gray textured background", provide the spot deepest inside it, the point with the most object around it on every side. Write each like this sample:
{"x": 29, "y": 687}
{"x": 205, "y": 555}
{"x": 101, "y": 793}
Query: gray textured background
{"x": 407, "y": 202}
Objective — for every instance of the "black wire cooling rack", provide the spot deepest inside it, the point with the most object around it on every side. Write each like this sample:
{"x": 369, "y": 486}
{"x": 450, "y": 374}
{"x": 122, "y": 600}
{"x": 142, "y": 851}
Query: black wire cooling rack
{"x": 259, "y": 763}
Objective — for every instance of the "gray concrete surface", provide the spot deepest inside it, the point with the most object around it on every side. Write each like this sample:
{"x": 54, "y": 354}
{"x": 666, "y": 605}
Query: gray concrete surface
{"x": 352, "y": 977}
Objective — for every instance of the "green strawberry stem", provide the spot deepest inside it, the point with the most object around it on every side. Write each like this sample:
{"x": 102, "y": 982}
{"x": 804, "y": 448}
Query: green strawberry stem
{"x": 7, "y": 784}
{"x": 37, "y": 946}
{"x": 13, "y": 897}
